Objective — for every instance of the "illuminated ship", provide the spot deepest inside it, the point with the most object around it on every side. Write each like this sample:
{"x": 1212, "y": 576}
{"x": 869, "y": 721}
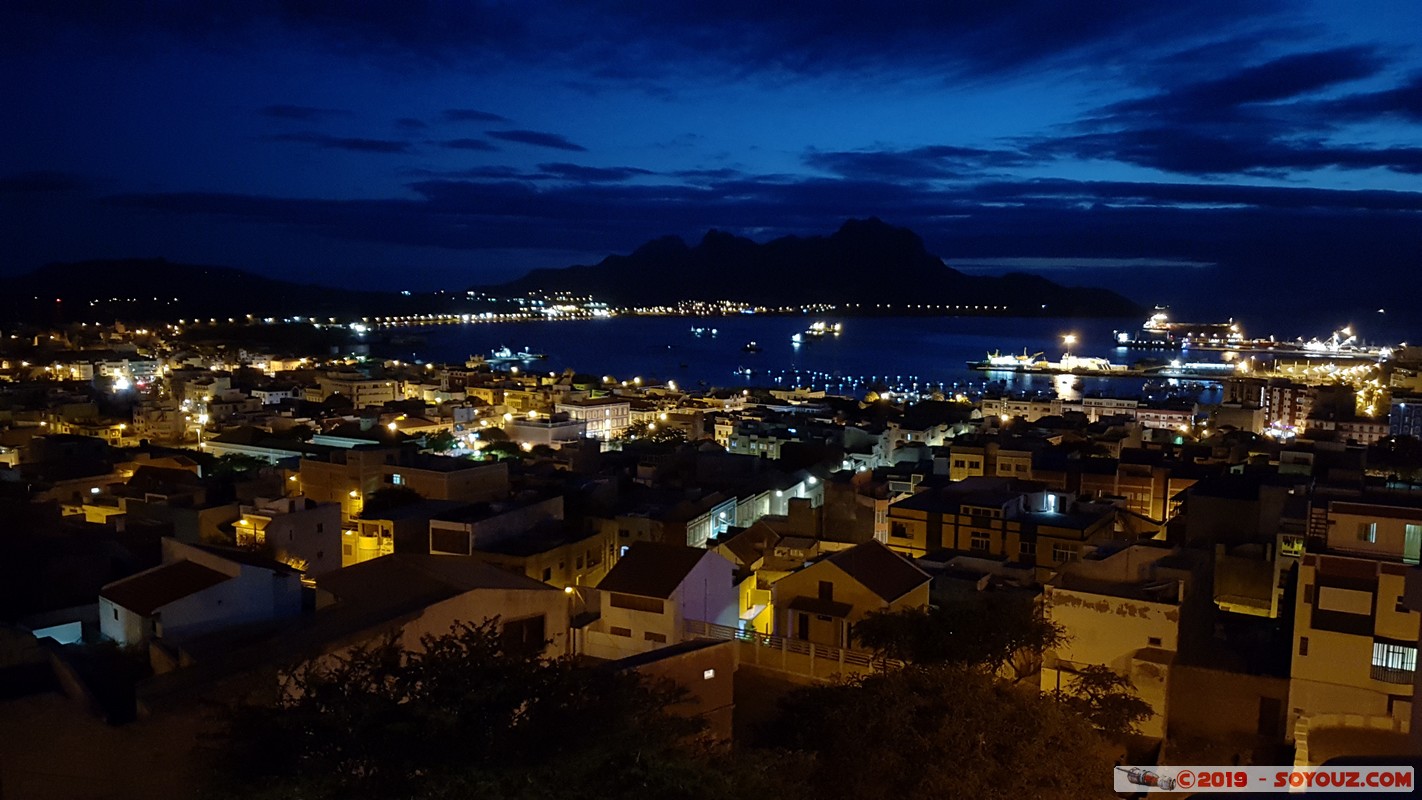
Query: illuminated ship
{"x": 1162, "y": 333}
{"x": 1070, "y": 364}
{"x": 818, "y": 330}
{"x": 504, "y": 355}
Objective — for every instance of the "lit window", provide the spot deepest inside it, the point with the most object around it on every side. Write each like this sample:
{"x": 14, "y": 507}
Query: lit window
{"x": 1394, "y": 656}
{"x": 397, "y": 479}
{"x": 1367, "y": 532}
{"x": 708, "y": 674}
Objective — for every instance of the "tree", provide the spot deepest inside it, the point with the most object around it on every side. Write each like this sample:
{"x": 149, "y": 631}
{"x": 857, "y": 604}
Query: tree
{"x": 440, "y": 442}
{"x": 1107, "y": 700}
{"x": 465, "y": 714}
{"x": 935, "y": 732}
{"x": 381, "y": 501}
{"x": 989, "y": 631}
{"x": 652, "y": 432}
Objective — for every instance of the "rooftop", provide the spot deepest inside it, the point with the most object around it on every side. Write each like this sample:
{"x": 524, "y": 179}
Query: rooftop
{"x": 152, "y": 589}
{"x": 652, "y": 569}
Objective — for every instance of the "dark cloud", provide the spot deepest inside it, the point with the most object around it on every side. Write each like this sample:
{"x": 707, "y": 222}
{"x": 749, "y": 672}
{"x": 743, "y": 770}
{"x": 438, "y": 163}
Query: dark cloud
{"x": 351, "y": 143}
{"x": 537, "y": 139}
{"x": 410, "y": 124}
{"x": 1264, "y": 119}
{"x": 937, "y": 161}
{"x": 37, "y": 181}
{"x": 1202, "y": 151}
{"x": 470, "y": 115}
{"x": 301, "y": 113}
{"x": 1069, "y": 192}
{"x": 577, "y": 172}
{"x": 1283, "y": 78}
{"x": 1404, "y": 101}
{"x": 627, "y": 40}
{"x": 468, "y": 144}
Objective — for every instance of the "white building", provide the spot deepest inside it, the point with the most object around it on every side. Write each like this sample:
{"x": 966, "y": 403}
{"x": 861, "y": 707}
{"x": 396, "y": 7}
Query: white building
{"x": 646, "y": 598}
{"x": 197, "y": 590}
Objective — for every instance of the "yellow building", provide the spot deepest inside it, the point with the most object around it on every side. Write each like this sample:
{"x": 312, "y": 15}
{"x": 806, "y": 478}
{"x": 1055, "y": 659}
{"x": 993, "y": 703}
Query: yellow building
{"x": 821, "y": 602}
{"x": 1355, "y": 641}
{"x": 1130, "y": 610}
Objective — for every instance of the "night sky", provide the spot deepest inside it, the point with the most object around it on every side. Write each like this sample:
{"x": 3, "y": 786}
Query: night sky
{"x": 1184, "y": 149}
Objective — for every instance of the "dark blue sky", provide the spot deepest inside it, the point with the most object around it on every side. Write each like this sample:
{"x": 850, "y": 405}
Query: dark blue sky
{"x": 1176, "y": 148}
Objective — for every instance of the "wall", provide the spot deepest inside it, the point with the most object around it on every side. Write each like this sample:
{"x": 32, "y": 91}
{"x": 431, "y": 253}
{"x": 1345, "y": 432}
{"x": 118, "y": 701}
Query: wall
{"x": 708, "y": 676}
{"x": 1220, "y": 705}
{"x": 1111, "y": 631}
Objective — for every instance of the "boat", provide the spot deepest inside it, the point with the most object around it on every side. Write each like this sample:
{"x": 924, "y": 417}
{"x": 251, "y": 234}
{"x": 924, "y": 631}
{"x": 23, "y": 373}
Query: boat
{"x": 504, "y": 355}
{"x": 751, "y": 347}
{"x": 1160, "y": 332}
{"x": 818, "y": 330}
{"x": 1034, "y": 364}
{"x": 704, "y": 332}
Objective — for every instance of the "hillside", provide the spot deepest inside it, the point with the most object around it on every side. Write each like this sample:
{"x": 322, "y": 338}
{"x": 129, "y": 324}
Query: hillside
{"x": 864, "y": 262}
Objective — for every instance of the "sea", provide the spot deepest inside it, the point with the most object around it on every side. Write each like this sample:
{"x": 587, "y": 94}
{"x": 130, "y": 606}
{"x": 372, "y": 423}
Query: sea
{"x": 918, "y": 354}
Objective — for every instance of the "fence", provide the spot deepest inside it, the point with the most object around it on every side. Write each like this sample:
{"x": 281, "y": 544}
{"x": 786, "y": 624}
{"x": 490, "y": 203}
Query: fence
{"x": 794, "y": 656}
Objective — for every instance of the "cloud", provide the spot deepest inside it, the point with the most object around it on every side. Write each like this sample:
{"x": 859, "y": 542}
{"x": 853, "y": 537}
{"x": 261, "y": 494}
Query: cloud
{"x": 301, "y": 113}
{"x": 410, "y": 124}
{"x": 468, "y": 144}
{"x": 936, "y": 161}
{"x": 537, "y": 139}
{"x": 1283, "y": 78}
{"x": 1265, "y": 119}
{"x": 43, "y": 181}
{"x": 577, "y": 172}
{"x": 470, "y": 115}
{"x": 617, "y": 40}
{"x": 350, "y": 143}
{"x": 1404, "y": 101}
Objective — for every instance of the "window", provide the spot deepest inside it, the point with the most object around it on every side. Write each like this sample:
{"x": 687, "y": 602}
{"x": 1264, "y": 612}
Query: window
{"x": 1308, "y": 593}
{"x": 320, "y": 527}
{"x": 579, "y": 563}
{"x": 116, "y": 612}
{"x": 708, "y": 674}
{"x": 547, "y": 574}
{"x": 981, "y": 541}
{"x": 898, "y": 530}
{"x": 659, "y": 638}
{"x": 1303, "y": 645}
{"x": 624, "y": 533}
{"x": 524, "y": 635}
{"x": 1062, "y": 553}
{"x": 634, "y": 602}
{"x": 1153, "y": 641}
{"x": 826, "y": 590}
{"x": 1401, "y": 606}
{"x": 1027, "y": 548}
{"x": 397, "y": 479}
{"x": 1394, "y": 656}
{"x": 1367, "y": 532}
{"x": 616, "y": 631}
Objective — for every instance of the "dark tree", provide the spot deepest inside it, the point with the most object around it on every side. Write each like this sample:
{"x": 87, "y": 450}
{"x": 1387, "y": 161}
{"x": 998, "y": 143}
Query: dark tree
{"x": 931, "y": 733}
{"x": 464, "y": 716}
{"x": 1106, "y": 700}
{"x": 990, "y": 631}
{"x": 382, "y": 501}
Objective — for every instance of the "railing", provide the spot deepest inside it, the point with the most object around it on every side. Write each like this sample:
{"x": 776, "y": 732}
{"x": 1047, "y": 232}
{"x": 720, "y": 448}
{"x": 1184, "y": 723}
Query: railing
{"x": 1392, "y": 675}
{"x": 792, "y": 655}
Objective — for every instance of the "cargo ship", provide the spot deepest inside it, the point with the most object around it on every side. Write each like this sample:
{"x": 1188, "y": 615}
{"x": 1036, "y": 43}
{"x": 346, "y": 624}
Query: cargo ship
{"x": 1035, "y": 364}
{"x": 1159, "y": 332}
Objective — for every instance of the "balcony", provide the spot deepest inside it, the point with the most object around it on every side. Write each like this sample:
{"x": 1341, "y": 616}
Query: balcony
{"x": 1391, "y": 675}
